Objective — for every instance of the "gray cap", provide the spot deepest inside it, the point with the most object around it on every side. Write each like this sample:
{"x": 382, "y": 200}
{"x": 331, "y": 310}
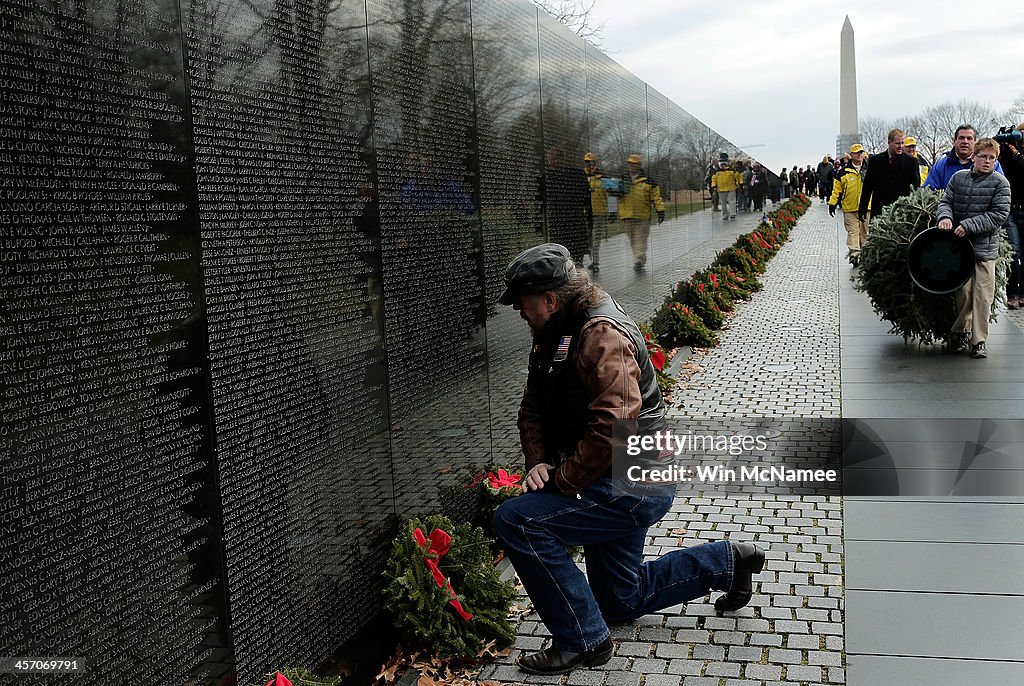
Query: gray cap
{"x": 541, "y": 268}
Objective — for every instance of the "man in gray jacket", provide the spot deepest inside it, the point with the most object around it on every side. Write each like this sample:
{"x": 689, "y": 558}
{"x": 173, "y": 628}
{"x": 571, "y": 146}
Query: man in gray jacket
{"x": 975, "y": 204}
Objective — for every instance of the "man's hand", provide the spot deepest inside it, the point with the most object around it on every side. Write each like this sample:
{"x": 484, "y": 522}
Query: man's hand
{"x": 537, "y": 477}
{"x": 832, "y": 210}
{"x": 661, "y": 216}
{"x": 862, "y": 216}
{"x": 945, "y": 224}
{"x": 960, "y": 231}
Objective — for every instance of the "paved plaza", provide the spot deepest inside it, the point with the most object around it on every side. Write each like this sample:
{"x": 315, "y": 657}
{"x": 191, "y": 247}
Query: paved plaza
{"x": 785, "y": 355}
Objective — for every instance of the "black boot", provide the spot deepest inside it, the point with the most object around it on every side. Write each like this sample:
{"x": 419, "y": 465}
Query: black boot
{"x": 748, "y": 559}
{"x": 554, "y": 661}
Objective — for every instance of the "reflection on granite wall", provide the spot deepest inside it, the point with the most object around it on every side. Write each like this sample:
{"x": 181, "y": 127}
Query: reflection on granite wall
{"x": 250, "y": 253}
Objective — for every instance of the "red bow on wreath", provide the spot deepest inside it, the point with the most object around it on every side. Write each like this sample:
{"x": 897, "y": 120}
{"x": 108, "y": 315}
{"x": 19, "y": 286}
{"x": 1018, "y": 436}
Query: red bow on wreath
{"x": 440, "y": 544}
{"x": 279, "y": 680}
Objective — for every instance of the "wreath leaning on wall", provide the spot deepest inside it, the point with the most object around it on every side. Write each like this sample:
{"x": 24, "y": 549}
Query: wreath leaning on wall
{"x": 443, "y": 589}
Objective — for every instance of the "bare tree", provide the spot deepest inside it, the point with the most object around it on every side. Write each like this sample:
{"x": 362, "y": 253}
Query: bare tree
{"x": 982, "y": 117}
{"x": 933, "y": 128}
{"x": 935, "y": 133}
{"x": 873, "y": 133}
{"x": 577, "y": 15}
{"x": 1015, "y": 114}
{"x": 939, "y": 122}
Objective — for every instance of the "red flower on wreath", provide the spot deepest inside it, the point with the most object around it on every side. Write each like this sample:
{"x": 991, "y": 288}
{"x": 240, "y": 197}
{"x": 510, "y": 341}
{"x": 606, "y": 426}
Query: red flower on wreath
{"x": 504, "y": 480}
{"x": 658, "y": 359}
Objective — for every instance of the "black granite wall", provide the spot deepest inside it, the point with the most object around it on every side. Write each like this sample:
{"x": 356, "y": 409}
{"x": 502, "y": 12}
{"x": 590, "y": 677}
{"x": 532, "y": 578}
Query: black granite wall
{"x": 250, "y": 256}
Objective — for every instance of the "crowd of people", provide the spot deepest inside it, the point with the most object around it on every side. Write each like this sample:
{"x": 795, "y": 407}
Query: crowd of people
{"x": 860, "y": 186}
{"x": 983, "y": 184}
{"x": 981, "y": 200}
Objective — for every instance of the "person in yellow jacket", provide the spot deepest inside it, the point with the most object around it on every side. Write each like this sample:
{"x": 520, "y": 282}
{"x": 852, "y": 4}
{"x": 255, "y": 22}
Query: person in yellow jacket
{"x": 846, "y": 190}
{"x": 638, "y": 195}
{"x": 599, "y": 209}
{"x": 726, "y": 180}
{"x": 910, "y": 147}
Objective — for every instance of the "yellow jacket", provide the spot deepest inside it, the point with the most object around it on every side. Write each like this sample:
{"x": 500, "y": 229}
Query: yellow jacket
{"x": 636, "y": 203}
{"x": 847, "y": 185}
{"x": 598, "y": 195}
{"x": 726, "y": 180}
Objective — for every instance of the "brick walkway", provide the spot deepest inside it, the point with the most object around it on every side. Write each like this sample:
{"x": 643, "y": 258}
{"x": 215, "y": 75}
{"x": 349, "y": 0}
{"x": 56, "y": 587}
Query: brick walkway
{"x": 778, "y": 358}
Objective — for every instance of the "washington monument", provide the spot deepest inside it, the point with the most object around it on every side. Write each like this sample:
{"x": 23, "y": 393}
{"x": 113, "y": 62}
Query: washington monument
{"x": 848, "y": 130}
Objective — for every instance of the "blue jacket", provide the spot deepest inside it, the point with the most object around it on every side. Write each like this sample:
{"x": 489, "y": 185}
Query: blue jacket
{"x": 944, "y": 168}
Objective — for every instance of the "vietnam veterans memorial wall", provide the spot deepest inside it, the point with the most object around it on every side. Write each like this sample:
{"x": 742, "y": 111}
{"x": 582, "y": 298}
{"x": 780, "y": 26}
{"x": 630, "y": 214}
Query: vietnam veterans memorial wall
{"x": 250, "y": 257}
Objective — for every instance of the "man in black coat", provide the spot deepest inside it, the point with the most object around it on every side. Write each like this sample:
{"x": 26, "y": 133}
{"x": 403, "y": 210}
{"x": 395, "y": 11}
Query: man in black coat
{"x": 891, "y": 174}
{"x": 1011, "y": 157}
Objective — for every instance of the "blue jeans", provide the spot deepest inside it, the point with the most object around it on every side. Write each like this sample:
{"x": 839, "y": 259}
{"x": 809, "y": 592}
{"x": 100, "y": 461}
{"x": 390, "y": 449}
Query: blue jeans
{"x": 1014, "y": 223}
{"x": 611, "y": 525}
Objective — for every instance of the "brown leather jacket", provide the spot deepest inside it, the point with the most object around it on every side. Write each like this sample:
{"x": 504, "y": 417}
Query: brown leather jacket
{"x": 606, "y": 360}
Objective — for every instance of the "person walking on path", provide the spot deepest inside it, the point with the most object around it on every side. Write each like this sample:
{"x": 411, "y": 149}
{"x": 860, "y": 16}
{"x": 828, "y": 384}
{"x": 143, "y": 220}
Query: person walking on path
{"x": 758, "y": 186}
{"x": 712, "y": 168}
{"x": 1012, "y": 160}
{"x": 810, "y": 181}
{"x": 599, "y": 209}
{"x": 846, "y": 192}
{"x": 566, "y": 197}
{"x": 640, "y": 194}
{"x": 589, "y": 369}
{"x": 726, "y": 180}
{"x": 890, "y": 175}
{"x": 975, "y": 204}
{"x": 784, "y": 182}
{"x": 826, "y": 175}
{"x": 794, "y": 181}
{"x": 743, "y": 192}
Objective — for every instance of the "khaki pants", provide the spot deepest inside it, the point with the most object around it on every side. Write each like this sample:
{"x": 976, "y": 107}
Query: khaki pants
{"x": 856, "y": 231}
{"x": 596, "y": 236}
{"x": 727, "y": 199}
{"x": 974, "y": 302}
{"x": 639, "y": 230}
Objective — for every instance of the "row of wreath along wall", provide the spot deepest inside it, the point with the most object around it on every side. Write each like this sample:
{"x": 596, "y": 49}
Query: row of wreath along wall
{"x": 250, "y": 255}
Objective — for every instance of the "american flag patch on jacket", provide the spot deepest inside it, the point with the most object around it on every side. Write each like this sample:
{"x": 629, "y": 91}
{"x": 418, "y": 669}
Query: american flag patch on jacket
{"x": 563, "y": 349}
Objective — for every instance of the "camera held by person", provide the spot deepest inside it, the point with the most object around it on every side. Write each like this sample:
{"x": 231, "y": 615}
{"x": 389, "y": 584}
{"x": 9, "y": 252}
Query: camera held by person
{"x": 1010, "y": 135}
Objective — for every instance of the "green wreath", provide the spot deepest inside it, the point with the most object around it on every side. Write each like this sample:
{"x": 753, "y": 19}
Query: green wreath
{"x": 884, "y": 277}
{"x": 443, "y": 589}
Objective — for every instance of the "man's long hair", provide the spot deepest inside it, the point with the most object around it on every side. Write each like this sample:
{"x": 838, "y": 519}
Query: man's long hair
{"x": 580, "y": 293}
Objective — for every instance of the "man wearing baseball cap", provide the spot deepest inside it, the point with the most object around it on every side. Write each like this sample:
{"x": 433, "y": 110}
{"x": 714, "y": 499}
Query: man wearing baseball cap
{"x": 598, "y": 207}
{"x": 846, "y": 190}
{"x": 590, "y": 371}
{"x": 640, "y": 193}
{"x": 910, "y": 147}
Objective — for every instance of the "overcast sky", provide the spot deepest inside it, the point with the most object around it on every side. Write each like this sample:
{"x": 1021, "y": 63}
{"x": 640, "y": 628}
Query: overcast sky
{"x": 767, "y": 73}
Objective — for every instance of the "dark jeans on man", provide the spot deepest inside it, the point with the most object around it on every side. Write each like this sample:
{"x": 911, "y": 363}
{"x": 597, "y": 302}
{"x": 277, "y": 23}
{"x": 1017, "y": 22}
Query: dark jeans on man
{"x": 611, "y": 524}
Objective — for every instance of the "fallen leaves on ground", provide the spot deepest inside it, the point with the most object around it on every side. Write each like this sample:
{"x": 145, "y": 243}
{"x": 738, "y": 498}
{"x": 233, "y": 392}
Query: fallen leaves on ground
{"x": 517, "y": 612}
{"x": 437, "y": 672}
